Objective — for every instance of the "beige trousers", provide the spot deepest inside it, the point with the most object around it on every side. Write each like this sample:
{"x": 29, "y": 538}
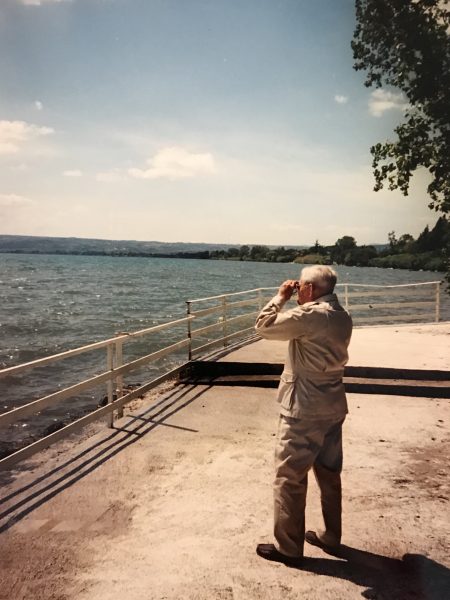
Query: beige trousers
{"x": 301, "y": 445}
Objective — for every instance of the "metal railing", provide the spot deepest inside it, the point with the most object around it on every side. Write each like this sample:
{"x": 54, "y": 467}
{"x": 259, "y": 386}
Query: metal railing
{"x": 424, "y": 296}
{"x": 225, "y": 314}
{"x": 112, "y": 376}
{"x": 369, "y": 311}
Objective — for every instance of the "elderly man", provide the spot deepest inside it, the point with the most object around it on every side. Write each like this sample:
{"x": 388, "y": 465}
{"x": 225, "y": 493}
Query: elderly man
{"x": 312, "y": 409}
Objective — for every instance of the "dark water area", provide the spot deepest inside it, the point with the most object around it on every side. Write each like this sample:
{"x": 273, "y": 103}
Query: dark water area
{"x": 50, "y": 304}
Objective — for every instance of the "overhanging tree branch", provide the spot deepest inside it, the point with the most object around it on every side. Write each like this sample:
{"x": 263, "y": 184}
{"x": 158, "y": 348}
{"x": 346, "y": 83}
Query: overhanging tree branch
{"x": 405, "y": 44}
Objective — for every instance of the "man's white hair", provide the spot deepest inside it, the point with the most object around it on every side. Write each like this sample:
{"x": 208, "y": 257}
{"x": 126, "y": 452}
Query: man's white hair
{"x": 322, "y": 277}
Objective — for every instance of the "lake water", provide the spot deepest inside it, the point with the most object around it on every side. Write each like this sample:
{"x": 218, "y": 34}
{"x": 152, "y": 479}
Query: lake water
{"x": 54, "y": 303}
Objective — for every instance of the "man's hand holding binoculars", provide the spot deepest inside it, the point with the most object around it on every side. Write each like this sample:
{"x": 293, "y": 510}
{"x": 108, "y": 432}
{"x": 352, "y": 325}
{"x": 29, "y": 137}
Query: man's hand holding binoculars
{"x": 288, "y": 288}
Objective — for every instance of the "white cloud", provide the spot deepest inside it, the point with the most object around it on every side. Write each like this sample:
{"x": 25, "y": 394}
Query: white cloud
{"x": 14, "y": 134}
{"x": 38, "y": 105}
{"x": 13, "y": 201}
{"x": 175, "y": 163}
{"x": 341, "y": 99}
{"x": 380, "y": 101}
{"x": 73, "y": 173}
{"x": 113, "y": 176}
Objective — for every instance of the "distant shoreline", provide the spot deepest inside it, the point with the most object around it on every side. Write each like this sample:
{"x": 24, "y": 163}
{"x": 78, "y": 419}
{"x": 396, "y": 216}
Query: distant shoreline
{"x": 429, "y": 252}
{"x": 200, "y": 256}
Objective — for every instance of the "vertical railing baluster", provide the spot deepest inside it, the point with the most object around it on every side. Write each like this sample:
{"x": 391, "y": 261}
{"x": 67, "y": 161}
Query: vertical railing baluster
{"x": 438, "y": 302}
{"x": 346, "y": 296}
{"x": 189, "y": 329}
{"x": 110, "y": 384}
{"x": 260, "y": 299}
{"x": 119, "y": 380}
{"x": 224, "y": 321}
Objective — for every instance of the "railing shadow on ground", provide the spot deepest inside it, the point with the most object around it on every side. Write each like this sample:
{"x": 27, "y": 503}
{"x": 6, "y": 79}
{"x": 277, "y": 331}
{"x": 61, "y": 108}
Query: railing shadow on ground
{"x": 136, "y": 427}
{"x": 414, "y": 577}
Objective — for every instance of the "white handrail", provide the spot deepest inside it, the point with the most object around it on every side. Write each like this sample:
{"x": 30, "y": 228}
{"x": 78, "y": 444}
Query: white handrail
{"x": 262, "y": 289}
{"x": 226, "y": 295}
{"x": 40, "y": 362}
{"x": 377, "y": 290}
{"x": 27, "y": 451}
{"x": 372, "y": 285}
{"x": 27, "y": 409}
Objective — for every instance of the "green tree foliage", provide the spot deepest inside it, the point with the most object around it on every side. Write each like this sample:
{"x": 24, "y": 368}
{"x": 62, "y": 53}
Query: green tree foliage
{"x": 423, "y": 241}
{"x": 392, "y": 241}
{"x": 313, "y": 259}
{"x": 318, "y": 249}
{"x": 429, "y": 252}
{"x": 405, "y": 44}
{"x": 341, "y": 248}
{"x": 259, "y": 253}
{"x": 403, "y": 244}
{"x": 282, "y": 254}
{"x": 360, "y": 256}
{"x": 244, "y": 252}
{"x": 406, "y": 242}
{"x": 438, "y": 239}
{"x": 233, "y": 252}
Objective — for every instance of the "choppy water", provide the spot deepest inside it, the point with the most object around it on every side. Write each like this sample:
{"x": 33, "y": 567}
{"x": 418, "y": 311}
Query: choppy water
{"x": 54, "y": 303}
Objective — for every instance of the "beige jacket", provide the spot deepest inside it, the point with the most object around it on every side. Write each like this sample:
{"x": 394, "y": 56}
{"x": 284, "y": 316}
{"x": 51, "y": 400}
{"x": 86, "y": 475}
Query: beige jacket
{"x": 319, "y": 333}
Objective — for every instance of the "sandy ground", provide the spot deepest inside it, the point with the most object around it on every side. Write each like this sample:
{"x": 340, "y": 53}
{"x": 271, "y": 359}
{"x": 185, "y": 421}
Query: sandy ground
{"x": 172, "y": 503}
{"x": 401, "y": 346}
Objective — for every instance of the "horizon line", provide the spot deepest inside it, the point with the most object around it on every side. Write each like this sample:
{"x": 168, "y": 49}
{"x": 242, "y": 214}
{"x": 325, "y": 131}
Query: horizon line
{"x": 99, "y": 239}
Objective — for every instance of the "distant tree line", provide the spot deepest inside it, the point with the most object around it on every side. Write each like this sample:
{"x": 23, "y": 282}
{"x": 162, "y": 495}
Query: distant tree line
{"x": 256, "y": 253}
{"x": 429, "y": 252}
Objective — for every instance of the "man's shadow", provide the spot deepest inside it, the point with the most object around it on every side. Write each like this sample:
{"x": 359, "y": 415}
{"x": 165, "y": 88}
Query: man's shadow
{"x": 414, "y": 577}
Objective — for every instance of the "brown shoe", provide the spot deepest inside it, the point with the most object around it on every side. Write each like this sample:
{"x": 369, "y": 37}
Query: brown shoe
{"x": 312, "y": 538}
{"x": 269, "y": 552}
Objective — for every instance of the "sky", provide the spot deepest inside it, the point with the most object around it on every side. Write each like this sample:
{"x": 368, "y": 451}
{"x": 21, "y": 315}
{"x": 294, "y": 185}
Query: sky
{"x": 220, "y": 121}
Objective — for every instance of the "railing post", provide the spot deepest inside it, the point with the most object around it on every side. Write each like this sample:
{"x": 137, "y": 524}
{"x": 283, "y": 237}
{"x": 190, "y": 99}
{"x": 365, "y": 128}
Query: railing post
{"x": 224, "y": 321}
{"x": 438, "y": 302}
{"x": 260, "y": 299}
{"x": 110, "y": 384}
{"x": 346, "y": 296}
{"x": 119, "y": 380}
{"x": 189, "y": 329}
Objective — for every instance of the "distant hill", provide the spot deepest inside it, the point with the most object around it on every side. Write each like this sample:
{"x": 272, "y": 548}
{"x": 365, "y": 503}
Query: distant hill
{"x": 24, "y": 244}
{"x": 429, "y": 252}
